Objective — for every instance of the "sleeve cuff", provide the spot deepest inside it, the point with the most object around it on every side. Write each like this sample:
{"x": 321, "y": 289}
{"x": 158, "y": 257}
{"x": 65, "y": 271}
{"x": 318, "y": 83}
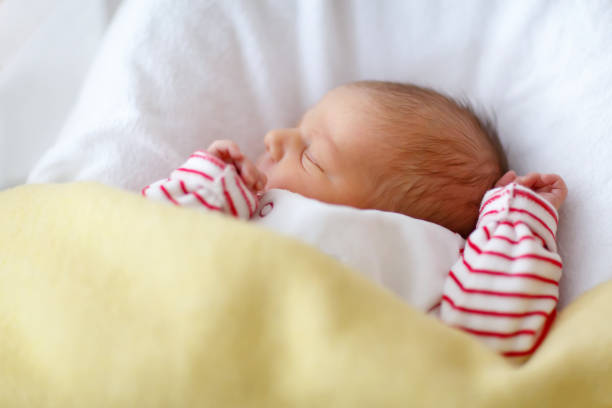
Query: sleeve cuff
{"x": 517, "y": 204}
{"x": 215, "y": 184}
{"x": 201, "y": 163}
{"x": 241, "y": 202}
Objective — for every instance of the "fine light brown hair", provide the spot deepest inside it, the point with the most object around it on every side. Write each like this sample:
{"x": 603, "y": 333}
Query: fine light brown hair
{"x": 438, "y": 156}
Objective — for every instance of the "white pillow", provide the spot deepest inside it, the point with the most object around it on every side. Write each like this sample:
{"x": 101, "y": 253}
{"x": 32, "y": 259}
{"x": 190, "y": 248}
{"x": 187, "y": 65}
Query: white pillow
{"x": 173, "y": 75}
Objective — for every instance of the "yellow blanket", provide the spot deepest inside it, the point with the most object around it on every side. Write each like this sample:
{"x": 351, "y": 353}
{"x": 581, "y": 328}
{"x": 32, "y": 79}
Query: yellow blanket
{"x": 107, "y": 299}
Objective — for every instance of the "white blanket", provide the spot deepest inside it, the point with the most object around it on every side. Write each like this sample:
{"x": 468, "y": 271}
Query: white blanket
{"x": 173, "y": 75}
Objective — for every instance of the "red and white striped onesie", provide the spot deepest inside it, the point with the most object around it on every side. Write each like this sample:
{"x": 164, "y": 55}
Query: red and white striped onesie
{"x": 503, "y": 288}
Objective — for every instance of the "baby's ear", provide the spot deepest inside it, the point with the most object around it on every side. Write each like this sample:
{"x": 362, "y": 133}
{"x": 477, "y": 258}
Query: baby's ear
{"x": 506, "y": 179}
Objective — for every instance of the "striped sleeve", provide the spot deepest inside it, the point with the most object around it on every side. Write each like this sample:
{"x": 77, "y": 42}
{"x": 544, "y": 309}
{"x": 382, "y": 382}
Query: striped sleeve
{"x": 504, "y": 288}
{"x": 206, "y": 183}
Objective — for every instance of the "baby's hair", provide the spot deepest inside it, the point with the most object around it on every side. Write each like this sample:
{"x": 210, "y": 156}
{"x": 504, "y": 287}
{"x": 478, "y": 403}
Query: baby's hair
{"x": 439, "y": 156}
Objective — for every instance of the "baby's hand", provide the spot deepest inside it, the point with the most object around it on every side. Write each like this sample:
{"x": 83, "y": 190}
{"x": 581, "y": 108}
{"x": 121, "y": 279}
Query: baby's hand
{"x": 230, "y": 153}
{"x": 550, "y": 186}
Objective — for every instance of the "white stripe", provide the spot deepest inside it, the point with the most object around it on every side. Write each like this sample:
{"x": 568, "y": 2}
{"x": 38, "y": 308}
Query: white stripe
{"x": 519, "y": 343}
{"x": 527, "y": 246}
{"x": 192, "y": 180}
{"x": 496, "y": 303}
{"x": 242, "y": 207}
{"x": 490, "y": 323}
{"x": 203, "y": 165}
{"x": 481, "y": 281}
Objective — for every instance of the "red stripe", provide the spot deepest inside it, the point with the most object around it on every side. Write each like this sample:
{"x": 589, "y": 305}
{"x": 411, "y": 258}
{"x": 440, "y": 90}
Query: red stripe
{"x": 535, "y": 217}
{"x": 489, "y": 213}
{"x": 239, "y": 185}
{"x": 499, "y": 294}
{"x": 515, "y": 223}
{"x": 211, "y": 159}
{"x": 486, "y": 230}
{"x": 524, "y": 193}
{"x": 168, "y": 195}
{"x": 513, "y": 242}
{"x": 508, "y": 274}
{"x": 228, "y": 198}
{"x": 522, "y": 212}
{"x": 143, "y": 192}
{"x": 513, "y": 258}
{"x": 547, "y": 325}
{"x": 183, "y": 187}
{"x": 201, "y": 173}
{"x": 494, "y": 198}
{"x": 434, "y": 307}
{"x": 537, "y": 201}
{"x": 497, "y": 334}
{"x": 489, "y": 236}
{"x": 492, "y": 312}
{"x": 205, "y": 203}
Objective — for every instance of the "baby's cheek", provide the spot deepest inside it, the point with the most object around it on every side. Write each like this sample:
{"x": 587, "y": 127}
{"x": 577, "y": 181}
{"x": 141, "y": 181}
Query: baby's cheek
{"x": 286, "y": 180}
{"x": 275, "y": 179}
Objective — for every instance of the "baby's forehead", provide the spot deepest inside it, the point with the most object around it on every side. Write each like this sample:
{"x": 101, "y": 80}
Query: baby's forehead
{"x": 390, "y": 120}
{"x": 363, "y": 109}
{"x": 343, "y": 102}
{"x": 341, "y": 113}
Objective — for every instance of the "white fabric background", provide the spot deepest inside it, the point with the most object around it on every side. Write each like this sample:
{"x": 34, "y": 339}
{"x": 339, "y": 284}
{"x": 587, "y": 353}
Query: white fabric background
{"x": 46, "y": 48}
{"x": 172, "y": 75}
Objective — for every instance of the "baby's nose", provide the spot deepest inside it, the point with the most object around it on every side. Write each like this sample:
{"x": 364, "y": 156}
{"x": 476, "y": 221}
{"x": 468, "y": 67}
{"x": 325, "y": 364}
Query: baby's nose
{"x": 275, "y": 143}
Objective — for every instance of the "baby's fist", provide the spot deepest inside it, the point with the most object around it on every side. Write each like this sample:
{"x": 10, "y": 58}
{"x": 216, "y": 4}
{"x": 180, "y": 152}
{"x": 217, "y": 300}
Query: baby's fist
{"x": 230, "y": 153}
{"x": 549, "y": 186}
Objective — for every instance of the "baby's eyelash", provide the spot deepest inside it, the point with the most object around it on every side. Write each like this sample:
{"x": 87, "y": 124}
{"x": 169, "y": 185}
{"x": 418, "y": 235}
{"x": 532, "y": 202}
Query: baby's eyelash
{"x": 310, "y": 159}
{"x": 302, "y": 157}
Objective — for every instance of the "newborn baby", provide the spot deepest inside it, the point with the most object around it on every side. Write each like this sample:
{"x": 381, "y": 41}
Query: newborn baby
{"x": 388, "y": 146}
{"x": 409, "y": 150}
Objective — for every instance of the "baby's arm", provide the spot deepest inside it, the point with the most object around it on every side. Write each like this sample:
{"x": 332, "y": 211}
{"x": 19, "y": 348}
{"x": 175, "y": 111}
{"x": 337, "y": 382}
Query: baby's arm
{"x": 505, "y": 287}
{"x": 209, "y": 181}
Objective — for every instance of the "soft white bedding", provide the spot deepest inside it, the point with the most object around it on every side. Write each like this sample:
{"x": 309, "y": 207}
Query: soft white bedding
{"x": 46, "y": 48}
{"x": 173, "y": 75}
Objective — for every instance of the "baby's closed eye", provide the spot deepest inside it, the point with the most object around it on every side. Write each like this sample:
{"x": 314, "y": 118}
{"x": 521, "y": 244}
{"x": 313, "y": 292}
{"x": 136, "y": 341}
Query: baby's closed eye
{"x": 309, "y": 162}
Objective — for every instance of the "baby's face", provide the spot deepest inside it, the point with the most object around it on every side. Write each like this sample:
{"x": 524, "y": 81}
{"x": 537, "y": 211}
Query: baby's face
{"x": 328, "y": 155}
